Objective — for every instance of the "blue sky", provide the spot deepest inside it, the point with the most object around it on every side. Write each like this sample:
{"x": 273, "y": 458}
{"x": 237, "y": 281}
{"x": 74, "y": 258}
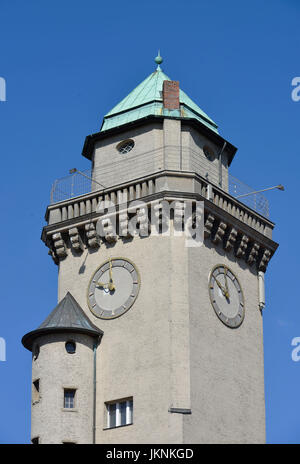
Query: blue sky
{"x": 68, "y": 63}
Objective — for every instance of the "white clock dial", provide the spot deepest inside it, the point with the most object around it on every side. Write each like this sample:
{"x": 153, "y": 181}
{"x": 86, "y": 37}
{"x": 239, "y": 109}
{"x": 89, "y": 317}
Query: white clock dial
{"x": 226, "y": 296}
{"x": 113, "y": 288}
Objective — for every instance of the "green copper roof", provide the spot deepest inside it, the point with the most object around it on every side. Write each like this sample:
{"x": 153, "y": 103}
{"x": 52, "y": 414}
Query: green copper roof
{"x": 146, "y": 99}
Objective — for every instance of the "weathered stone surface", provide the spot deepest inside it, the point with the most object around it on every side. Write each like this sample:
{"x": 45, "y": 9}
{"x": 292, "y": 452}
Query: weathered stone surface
{"x": 208, "y": 225}
{"x": 75, "y": 239}
{"x": 241, "y": 250}
{"x": 219, "y": 233}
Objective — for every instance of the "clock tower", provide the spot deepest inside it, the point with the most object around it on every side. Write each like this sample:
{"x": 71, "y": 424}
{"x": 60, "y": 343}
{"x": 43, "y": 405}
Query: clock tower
{"x": 155, "y": 338}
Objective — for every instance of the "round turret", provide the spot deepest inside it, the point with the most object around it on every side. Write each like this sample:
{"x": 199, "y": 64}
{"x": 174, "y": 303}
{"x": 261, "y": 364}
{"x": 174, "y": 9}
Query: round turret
{"x": 63, "y": 375}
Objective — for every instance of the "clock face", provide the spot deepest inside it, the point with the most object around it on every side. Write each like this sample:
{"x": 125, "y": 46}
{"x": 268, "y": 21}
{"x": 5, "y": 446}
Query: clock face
{"x": 113, "y": 288}
{"x": 226, "y": 296}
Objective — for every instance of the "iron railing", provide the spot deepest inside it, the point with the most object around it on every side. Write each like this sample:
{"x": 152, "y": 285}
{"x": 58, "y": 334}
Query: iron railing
{"x": 75, "y": 185}
{"x": 243, "y": 193}
{"x": 71, "y": 186}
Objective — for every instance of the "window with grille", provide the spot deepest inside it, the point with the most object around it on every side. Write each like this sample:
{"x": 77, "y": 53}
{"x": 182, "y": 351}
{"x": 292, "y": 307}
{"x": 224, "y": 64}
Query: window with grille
{"x": 119, "y": 413}
{"x": 69, "y": 398}
{"x": 125, "y": 146}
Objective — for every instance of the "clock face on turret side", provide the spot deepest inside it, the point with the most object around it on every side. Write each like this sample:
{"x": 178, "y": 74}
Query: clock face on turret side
{"x": 113, "y": 288}
{"x": 226, "y": 296}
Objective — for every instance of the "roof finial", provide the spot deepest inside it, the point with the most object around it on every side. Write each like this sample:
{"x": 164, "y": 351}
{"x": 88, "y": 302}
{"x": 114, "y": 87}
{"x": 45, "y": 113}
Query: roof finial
{"x": 158, "y": 60}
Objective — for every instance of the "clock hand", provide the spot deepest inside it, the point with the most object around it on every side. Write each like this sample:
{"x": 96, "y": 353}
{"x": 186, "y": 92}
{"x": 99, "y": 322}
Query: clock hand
{"x": 101, "y": 284}
{"x": 221, "y": 287}
{"x": 111, "y": 284}
{"x": 226, "y": 283}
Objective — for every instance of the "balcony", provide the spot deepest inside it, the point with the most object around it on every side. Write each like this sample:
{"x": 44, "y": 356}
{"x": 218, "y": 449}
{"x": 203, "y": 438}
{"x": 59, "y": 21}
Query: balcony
{"x": 232, "y": 218}
{"x": 75, "y": 185}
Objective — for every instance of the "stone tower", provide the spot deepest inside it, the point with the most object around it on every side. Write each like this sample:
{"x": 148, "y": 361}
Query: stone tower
{"x": 181, "y": 356}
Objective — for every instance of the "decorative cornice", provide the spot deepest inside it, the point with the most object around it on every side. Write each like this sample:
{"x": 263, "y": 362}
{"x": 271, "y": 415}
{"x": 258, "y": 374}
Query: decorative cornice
{"x": 219, "y": 226}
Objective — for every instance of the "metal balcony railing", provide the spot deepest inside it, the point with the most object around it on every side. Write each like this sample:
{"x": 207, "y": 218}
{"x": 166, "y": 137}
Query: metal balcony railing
{"x": 71, "y": 186}
{"x": 75, "y": 185}
{"x": 255, "y": 201}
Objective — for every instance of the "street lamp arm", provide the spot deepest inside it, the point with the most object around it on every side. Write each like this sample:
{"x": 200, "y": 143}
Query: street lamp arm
{"x": 279, "y": 187}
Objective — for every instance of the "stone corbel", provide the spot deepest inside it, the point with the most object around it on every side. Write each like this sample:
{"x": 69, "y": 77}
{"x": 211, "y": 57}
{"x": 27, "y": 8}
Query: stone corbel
{"x": 231, "y": 239}
{"x": 253, "y": 253}
{"x": 91, "y": 235}
{"x": 106, "y": 228}
{"x": 263, "y": 264}
{"x": 240, "y": 253}
{"x": 109, "y": 231}
{"x": 208, "y": 225}
{"x": 75, "y": 239}
{"x": 220, "y": 233}
{"x": 123, "y": 225}
{"x": 59, "y": 245}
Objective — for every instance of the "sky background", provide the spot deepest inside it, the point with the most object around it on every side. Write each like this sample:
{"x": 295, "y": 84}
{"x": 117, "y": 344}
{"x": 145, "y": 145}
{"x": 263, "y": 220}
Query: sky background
{"x": 66, "y": 64}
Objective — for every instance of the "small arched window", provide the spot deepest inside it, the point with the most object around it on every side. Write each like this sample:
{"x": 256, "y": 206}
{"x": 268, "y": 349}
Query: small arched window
{"x": 125, "y": 146}
{"x": 70, "y": 347}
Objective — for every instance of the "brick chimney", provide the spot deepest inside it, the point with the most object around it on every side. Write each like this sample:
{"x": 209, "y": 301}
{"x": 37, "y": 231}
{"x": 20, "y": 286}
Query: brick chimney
{"x": 171, "y": 95}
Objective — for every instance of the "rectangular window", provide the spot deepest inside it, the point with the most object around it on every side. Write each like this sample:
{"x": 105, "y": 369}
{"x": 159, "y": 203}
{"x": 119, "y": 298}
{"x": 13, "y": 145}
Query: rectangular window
{"x": 112, "y": 414}
{"x": 69, "y": 398}
{"x": 123, "y": 413}
{"x": 119, "y": 413}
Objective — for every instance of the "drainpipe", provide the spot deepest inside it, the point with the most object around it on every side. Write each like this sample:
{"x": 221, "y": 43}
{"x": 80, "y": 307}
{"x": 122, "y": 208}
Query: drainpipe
{"x": 96, "y": 343}
{"x": 261, "y": 290}
{"x": 220, "y": 163}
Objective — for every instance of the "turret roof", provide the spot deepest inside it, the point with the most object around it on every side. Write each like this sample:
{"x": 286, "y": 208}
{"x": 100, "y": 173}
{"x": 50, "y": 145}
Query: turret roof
{"x": 67, "y": 316}
{"x": 146, "y": 99}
